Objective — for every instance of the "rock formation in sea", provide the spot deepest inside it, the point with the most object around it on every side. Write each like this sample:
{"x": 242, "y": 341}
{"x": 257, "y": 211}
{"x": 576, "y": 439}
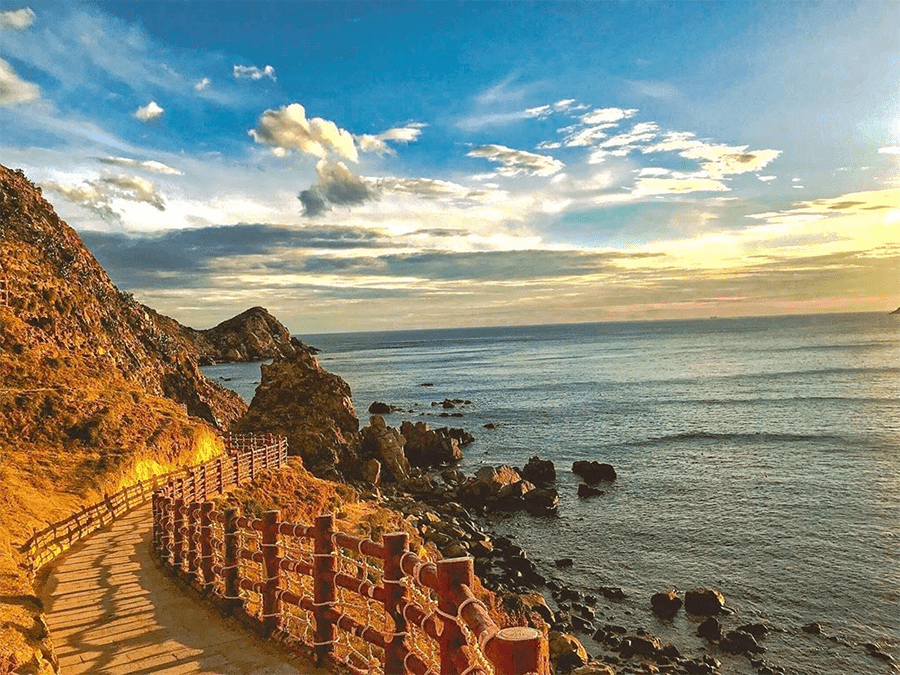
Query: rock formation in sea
{"x": 312, "y": 408}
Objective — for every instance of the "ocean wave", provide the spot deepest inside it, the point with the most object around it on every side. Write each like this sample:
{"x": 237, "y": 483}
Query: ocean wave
{"x": 752, "y": 437}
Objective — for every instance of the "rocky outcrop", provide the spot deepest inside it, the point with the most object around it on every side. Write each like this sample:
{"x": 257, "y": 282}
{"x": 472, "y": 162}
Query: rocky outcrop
{"x": 665, "y": 605}
{"x": 426, "y": 447}
{"x": 593, "y": 472}
{"x": 385, "y": 444}
{"x": 539, "y": 471}
{"x": 312, "y": 408}
{"x": 896, "y": 311}
{"x": 704, "y": 602}
{"x": 502, "y": 488}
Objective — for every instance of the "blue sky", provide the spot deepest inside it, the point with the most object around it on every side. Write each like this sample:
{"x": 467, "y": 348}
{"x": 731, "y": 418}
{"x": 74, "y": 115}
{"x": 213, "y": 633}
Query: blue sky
{"x": 357, "y": 166}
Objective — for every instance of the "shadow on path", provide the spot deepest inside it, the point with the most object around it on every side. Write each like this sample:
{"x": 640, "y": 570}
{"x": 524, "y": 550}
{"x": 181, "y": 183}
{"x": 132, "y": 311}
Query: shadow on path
{"x": 111, "y": 610}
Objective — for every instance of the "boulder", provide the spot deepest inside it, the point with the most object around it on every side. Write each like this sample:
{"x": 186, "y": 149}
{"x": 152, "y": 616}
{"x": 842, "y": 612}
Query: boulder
{"x": 665, "y": 605}
{"x": 641, "y": 645}
{"x": 595, "y": 668}
{"x": 385, "y": 444}
{"x": 539, "y": 471}
{"x": 710, "y": 629}
{"x": 585, "y": 491}
{"x": 541, "y": 501}
{"x": 427, "y": 447}
{"x": 379, "y": 408}
{"x": 739, "y": 642}
{"x": 813, "y": 628}
{"x": 593, "y": 472}
{"x": 486, "y": 484}
{"x": 566, "y": 652}
{"x": 371, "y": 471}
{"x": 704, "y": 602}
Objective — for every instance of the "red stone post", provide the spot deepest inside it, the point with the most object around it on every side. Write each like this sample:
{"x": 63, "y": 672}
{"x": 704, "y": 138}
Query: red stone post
{"x": 324, "y": 591}
{"x": 514, "y": 651}
{"x": 396, "y": 545}
{"x": 451, "y": 574}
{"x": 230, "y": 565}
{"x": 271, "y": 600}
{"x": 206, "y": 545}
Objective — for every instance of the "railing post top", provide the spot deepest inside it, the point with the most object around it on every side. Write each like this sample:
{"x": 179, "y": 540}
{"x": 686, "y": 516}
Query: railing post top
{"x": 456, "y": 571}
{"x": 231, "y": 512}
{"x": 270, "y": 517}
{"x": 206, "y": 507}
{"x": 326, "y": 521}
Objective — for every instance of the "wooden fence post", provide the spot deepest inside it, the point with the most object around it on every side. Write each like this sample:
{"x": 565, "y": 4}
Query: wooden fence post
{"x": 193, "y": 539}
{"x": 253, "y": 464}
{"x": 204, "y": 490}
{"x": 230, "y": 566}
{"x": 206, "y": 547}
{"x": 271, "y": 599}
{"x": 154, "y": 510}
{"x": 519, "y": 650}
{"x": 178, "y": 534}
{"x": 396, "y": 545}
{"x": 324, "y": 591}
{"x": 220, "y": 477}
{"x": 450, "y": 575}
{"x": 165, "y": 537}
{"x": 237, "y": 470}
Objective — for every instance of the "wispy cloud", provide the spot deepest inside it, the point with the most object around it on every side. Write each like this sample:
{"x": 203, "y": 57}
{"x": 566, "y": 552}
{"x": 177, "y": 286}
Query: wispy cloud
{"x": 148, "y": 165}
{"x": 150, "y": 112}
{"x": 241, "y": 72}
{"x": 717, "y": 160}
{"x": 202, "y": 84}
{"x": 378, "y": 144}
{"x": 289, "y": 129}
{"x": 101, "y": 194}
{"x": 518, "y": 162}
{"x": 889, "y": 150}
{"x": 13, "y": 89}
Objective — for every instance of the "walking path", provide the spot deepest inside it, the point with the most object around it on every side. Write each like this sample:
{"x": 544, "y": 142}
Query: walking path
{"x": 111, "y": 610}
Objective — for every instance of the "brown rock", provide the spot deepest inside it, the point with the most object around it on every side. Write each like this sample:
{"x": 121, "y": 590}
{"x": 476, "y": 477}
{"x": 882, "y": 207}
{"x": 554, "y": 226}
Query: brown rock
{"x": 386, "y": 443}
{"x": 704, "y": 602}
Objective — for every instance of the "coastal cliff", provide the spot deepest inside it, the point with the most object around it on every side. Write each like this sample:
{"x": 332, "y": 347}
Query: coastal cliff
{"x": 96, "y": 392}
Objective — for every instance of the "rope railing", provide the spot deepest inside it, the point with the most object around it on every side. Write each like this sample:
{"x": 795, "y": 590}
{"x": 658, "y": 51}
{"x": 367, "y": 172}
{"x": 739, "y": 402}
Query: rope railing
{"x": 47, "y": 544}
{"x": 358, "y": 605}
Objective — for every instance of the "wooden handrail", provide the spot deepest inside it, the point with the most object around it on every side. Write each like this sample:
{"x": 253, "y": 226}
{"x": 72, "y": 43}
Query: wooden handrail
{"x": 247, "y": 564}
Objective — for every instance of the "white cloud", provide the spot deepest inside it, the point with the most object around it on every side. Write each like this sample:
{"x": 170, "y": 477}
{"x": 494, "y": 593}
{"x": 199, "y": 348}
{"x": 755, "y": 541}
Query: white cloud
{"x": 100, "y": 194}
{"x": 13, "y": 89}
{"x": 148, "y": 113}
{"x": 19, "y": 19}
{"x": 149, "y": 165}
{"x": 639, "y": 133}
{"x": 676, "y": 186}
{"x": 767, "y": 179}
{"x": 544, "y": 111}
{"x": 717, "y": 160}
{"x": 653, "y": 172}
{"x": 378, "y": 143}
{"x": 607, "y": 115}
{"x": 253, "y": 73}
{"x": 288, "y": 129}
{"x": 518, "y": 162}
{"x": 202, "y": 85}
{"x": 889, "y": 150}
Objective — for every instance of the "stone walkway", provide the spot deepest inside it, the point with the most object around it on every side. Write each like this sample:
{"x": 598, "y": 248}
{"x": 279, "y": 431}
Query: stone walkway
{"x": 111, "y": 610}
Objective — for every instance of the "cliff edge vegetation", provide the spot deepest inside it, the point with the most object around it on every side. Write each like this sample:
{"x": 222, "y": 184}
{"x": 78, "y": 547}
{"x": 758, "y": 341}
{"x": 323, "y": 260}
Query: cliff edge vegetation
{"x": 95, "y": 394}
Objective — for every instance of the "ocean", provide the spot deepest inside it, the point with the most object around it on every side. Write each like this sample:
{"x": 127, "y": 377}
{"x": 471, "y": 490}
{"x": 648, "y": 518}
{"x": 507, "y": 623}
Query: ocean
{"x": 758, "y": 456}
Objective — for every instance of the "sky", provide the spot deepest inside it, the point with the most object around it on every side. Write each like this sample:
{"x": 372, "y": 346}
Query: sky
{"x": 361, "y": 166}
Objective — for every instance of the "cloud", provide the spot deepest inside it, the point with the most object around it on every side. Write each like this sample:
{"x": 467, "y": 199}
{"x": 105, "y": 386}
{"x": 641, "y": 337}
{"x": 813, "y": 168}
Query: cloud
{"x": 202, "y": 84}
{"x": 767, "y": 179}
{"x": 378, "y": 143}
{"x": 717, "y": 160}
{"x": 288, "y": 129}
{"x": 148, "y": 113}
{"x": 13, "y": 89}
{"x": 676, "y": 186}
{"x": 337, "y": 185}
{"x": 19, "y": 19}
{"x": 253, "y": 73}
{"x": 149, "y": 165}
{"x": 889, "y": 150}
{"x": 518, "y": 162}
{"x": 100, "y": 194}
{"x": 606, "y": 116}
{"x": 544, "y": 111}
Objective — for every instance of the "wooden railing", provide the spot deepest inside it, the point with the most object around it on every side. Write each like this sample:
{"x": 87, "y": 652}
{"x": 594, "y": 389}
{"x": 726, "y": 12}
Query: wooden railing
{"x": 352, "y": 603}
{"x": 44, "y": 546}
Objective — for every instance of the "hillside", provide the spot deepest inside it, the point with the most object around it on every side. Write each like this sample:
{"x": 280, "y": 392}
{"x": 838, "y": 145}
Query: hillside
{"x": 96, "y": 392}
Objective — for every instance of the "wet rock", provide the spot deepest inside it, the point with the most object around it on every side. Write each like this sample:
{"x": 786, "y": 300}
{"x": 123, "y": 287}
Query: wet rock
{"x": 877, "y": 651}
{"x": 593, "y": 472}
{"x": 704, "y": 602}
{"x": 586, "y": 491}
{"x": 539, "y": 471}
{"x": 710, "y": 629}
{"x": 641, "y": 645}
{"x": 704, "y": 665}
{"x": 564, "y": 562}
{"x": 665, "y": 605}
{"x": 757, "y": 630}
{"x": 814, "y": 628}
{"x": 581, "y": 624}
{"x": 612, "y": 592}
{"x": 566, "y": 652}
{"x": 541, "y": 501}
{"x": 739, "y": 642}
{"x": 379, "y": 408}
